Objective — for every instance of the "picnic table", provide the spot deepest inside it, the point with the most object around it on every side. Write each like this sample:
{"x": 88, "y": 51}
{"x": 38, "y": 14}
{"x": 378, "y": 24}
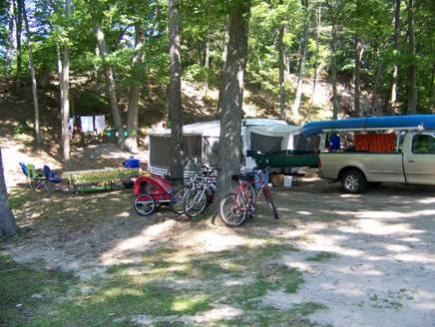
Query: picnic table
{"x": 106, "y": 176}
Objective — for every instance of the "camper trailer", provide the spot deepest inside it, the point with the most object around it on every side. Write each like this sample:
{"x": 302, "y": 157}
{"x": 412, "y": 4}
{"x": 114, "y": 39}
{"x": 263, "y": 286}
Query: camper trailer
{"x": 201, "y": 141}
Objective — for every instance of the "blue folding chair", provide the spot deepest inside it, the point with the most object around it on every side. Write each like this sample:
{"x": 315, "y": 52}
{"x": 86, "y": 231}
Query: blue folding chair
{"x": 51, "y": 178}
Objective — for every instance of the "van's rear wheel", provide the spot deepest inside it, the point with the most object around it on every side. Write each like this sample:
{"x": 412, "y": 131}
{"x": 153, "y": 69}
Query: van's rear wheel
{"x": 353, "y": 181}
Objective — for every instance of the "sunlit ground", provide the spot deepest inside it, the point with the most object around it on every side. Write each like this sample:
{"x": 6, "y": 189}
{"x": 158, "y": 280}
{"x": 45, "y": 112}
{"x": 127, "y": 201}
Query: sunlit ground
{"x": 330, "y": 259}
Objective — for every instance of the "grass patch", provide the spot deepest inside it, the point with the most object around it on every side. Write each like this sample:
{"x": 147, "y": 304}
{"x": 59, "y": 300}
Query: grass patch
{"x": 19, "y": 283}
{"x": 306, "y": 308}
{"x": 167, "y": 282}
{"x": 322, "y": 257}
{"x": 19, "y": 197}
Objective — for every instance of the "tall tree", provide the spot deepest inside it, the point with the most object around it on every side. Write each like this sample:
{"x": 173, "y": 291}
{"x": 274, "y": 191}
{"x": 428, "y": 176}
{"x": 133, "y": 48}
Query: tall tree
{"x": 109, "y": 77}
{"x": 395, "y": 73}
{"x": 380, "y": 67}
{"x": 174, "y": 99}
{"x": 32, "y": 74}
{"x": 230, "y": 141}
{"x": 412, "y": 70}
{"x": 332, "y": 8}
{"x": 302, "y": 59}
{"x": 358, "y": 53}
{"x": 318, "y": 18}
{"x": 7, "y": 220}
{"x": 10, "y": 53}
{"x": 18, "y": 30}
{"x": 64, "y": 95}
{"x": 206, "y": 60}
{"x": 134, "y": 93}
{"x": 283, "y": 67}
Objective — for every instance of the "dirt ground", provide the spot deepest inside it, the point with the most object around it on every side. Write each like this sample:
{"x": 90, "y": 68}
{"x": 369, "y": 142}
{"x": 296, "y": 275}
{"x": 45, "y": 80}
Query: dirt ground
{"x": 364, "y": 260}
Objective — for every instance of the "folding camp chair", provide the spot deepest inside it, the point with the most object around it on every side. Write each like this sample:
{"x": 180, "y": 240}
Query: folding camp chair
{"x": 51, "y": 178}
{"x": 35, "y": 178}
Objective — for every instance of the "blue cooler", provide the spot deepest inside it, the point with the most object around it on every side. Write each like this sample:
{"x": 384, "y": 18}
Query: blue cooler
{"x": 131, "y": 163}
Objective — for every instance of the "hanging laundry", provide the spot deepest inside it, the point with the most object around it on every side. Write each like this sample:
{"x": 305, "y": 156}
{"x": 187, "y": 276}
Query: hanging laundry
{"x": 100, "y": 124}
{"x": 87, "y": 124}
{"x": 70, "y": 126}
{"x": 71, "y": 123}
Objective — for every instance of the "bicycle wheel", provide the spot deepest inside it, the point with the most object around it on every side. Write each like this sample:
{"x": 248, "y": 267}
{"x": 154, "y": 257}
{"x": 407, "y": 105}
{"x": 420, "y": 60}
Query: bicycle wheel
{"x": 195, "y": 202}
{"x": 177, "y": 203}
{"x": 233, "y": 210}
{"x": 144, "y": 205}
{"x": 270, "y": 203}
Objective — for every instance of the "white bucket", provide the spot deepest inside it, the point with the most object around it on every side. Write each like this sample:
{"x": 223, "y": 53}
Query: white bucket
{"x": 288, "y": 181}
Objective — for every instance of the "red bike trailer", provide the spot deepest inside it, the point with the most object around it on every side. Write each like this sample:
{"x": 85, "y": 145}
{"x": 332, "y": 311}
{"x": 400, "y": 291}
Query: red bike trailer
{"x": 152, "y": 190}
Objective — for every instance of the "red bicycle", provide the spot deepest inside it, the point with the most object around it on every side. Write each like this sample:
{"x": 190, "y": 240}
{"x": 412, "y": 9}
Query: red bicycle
{"x": 236, "y": 207}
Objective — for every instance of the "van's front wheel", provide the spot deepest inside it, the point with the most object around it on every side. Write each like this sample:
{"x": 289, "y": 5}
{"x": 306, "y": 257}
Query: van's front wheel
{"x": 353, "y": 181}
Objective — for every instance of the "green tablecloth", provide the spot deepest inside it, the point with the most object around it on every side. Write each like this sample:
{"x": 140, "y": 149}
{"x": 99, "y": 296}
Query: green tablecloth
{"x": 96, "y": 176}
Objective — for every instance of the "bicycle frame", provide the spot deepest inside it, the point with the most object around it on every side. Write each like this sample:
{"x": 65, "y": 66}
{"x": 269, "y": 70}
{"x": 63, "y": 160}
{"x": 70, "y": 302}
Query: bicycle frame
{"x": 243, "y": 189}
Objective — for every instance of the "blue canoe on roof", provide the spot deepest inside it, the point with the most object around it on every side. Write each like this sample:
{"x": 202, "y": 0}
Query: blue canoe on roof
{"x": 400, "y": 122}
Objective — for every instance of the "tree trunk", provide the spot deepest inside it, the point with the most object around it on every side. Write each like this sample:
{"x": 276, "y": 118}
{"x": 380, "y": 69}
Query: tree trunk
{"x": 7, "y": 221}
{"x": 59, "y": 72}
{"x": 282, "y": 70}
{"x": 393, "y": 96}
{"x": 412, "y": 73}
{"x": 357, "y": 82}
{"x": 316, "y": 64}
{"x": 10, "y": 53}
{"x": 134, "y": 93}
{"x": 431, "y": 87}
{"x": 377, "y": 85}
{"x": 335, "y": 104}
{"x": 65, "y": 105}
{"x": 230, "y": 140}
{"x": 32, "y": 75}
{"x": 224, "y": 59}
{"x": 110, "y": 81}
{"x": 206, "y": 62}
{"x": 303, "y": 56}
{"x": 18, "y": 30}
{"x": 175, "y": 105}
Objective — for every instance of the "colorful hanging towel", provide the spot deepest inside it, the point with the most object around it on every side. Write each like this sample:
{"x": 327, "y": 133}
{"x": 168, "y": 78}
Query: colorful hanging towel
{"x": 71, "y": 124}
{"x": 100, "y": 124}
{"x": 87, "y": 124}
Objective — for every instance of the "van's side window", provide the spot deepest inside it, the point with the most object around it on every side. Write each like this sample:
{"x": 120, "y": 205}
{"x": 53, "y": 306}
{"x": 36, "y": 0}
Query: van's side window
{"x": 423, "y": 144}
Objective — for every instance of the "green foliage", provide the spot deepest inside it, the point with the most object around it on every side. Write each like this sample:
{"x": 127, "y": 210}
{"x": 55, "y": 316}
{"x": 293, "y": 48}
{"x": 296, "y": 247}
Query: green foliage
{"x": 204, "y": 22}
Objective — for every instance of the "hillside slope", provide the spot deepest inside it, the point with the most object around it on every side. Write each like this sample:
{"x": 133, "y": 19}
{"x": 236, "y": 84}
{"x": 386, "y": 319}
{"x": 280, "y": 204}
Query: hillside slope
{"x": 16, "y": 117}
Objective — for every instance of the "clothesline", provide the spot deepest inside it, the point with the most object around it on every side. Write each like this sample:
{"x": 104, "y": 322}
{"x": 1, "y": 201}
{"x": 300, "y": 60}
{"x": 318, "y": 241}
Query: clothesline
{"x": 88, "y": 124}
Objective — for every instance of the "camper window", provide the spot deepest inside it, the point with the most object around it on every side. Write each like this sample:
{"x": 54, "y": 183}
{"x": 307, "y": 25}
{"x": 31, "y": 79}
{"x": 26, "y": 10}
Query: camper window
{"x": 265, "y": 144}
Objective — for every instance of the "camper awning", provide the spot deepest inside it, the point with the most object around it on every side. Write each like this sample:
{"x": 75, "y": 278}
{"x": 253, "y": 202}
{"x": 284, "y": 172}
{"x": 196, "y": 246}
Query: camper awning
{"x": 274, "y": 130}
{"x": 212, "y": 128}
{"x": 372, "y": 123}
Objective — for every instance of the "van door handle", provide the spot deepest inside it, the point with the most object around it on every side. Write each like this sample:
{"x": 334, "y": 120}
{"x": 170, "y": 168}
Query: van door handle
{"x": 411, "y": 160}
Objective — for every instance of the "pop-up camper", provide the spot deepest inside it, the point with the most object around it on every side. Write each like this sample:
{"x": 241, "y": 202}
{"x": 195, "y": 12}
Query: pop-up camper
{"x": 201, "y": 141}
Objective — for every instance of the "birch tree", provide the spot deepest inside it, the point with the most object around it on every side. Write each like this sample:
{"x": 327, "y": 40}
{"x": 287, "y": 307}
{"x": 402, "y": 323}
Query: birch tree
{"x": 64, "y": 94}
{"x": 302, "y": 60}
{"x": 32, "y": 74}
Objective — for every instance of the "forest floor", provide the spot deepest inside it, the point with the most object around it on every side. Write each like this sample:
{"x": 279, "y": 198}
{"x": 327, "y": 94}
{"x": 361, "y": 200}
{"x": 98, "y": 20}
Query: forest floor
{"x": 331, "y": 260}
